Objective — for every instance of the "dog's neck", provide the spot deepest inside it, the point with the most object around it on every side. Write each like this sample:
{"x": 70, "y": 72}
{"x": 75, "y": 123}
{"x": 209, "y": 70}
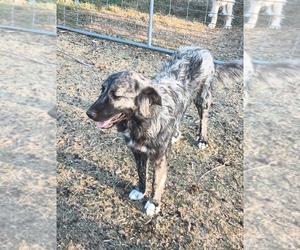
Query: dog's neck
{"x": 143, "y": 136}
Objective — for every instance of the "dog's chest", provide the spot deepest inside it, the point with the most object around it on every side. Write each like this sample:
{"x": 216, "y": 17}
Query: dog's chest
{"x": 138, "y": 143}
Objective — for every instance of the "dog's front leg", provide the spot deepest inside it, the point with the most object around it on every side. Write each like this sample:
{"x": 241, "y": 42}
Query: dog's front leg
{"x": 214, "y": 14}
{"x": 253, "y": 13}
{"x": 159, "y": 178}
{"x": 229, "y": 16}
{"x": 141, "y": 162}
{"x": 277, "y": 15}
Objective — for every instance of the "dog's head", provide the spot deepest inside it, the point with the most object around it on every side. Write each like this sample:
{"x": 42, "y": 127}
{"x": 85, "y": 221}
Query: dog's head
{"x": 123, "y": 95}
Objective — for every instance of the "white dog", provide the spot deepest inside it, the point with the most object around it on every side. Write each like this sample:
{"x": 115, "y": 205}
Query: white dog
{"x": 273, "y": 8}
{"x": 227, "y": 9}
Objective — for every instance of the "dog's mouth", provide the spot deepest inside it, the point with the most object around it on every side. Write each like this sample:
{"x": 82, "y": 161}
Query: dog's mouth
{"x": 111, "y": 121}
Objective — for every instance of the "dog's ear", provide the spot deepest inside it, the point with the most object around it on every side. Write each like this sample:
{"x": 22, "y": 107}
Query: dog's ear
{"x": 147, "y": 98}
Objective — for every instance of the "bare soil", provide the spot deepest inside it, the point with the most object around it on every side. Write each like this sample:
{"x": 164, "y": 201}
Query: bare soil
{"x": 27, "y": 141}
{"x": 203, "y": 200}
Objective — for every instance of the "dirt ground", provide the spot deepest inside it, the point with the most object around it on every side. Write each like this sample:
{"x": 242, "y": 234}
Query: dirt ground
{"x": 27, "y": 141}
{"x": 271, "y": 158}
{"x": 202, "y": 207}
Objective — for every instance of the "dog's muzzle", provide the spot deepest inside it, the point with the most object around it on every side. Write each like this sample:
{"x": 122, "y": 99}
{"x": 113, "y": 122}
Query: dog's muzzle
{"x": 91, "y": 114}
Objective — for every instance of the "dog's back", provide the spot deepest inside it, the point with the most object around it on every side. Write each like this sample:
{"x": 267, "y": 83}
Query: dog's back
{"x": 190, "y": 67}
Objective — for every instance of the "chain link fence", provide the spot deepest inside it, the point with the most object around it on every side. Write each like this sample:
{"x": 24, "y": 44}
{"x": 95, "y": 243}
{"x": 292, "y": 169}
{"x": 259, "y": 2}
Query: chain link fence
{"x": 273, "y": 44}
{"x": 38, "y": 16}
{"x": 163, "y": 24}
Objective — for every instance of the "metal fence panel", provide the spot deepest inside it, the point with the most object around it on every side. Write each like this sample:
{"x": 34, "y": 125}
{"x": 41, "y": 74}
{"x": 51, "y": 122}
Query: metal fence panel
{"x": 273, "y": 44}
{"x": 174, "y": 24}
{"x": 34, "y": 15}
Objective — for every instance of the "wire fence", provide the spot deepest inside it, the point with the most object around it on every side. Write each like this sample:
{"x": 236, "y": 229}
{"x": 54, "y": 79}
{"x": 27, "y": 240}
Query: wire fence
{"x": 166, "y": 25}
{"x": 162, "y": 24}
{"x": 38, "y": 16}
{"x": 268, "y": 42}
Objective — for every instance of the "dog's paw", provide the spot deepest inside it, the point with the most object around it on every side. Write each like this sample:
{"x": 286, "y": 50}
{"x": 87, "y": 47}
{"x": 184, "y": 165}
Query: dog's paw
{"x": 249, "y": 25}
{"x": 136, "y": 195}
{"x": 275, "y": 26}
{"x": 202, "y": 144}
{"x": 210, "y": 14}
{"x": 151, "y": 208}
{"x": 227, "y": 27}
{"x": 176, "y": 137}
{"x": 212, "y": 25}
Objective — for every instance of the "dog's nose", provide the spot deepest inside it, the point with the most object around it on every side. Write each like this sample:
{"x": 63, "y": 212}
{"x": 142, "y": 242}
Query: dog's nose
{"x": 91, "y": 114}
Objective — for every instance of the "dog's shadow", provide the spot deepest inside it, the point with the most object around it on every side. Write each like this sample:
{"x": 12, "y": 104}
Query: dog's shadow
{"x": 122, "y": 187}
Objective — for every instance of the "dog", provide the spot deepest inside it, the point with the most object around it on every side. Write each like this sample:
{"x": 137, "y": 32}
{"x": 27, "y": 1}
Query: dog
{"x": 227, "y": 10}
{"x": 148, "y": 112}
{"x": 273, "y": 8}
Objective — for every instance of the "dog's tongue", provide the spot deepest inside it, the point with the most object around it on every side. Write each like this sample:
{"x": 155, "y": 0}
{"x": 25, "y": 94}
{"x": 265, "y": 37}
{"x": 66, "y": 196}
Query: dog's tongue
{"x": 104, "y": 124}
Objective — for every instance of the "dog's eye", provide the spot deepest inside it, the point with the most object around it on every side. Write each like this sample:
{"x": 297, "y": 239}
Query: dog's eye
{"x": 116, "y": 96}
{"x": 102, "y": 89}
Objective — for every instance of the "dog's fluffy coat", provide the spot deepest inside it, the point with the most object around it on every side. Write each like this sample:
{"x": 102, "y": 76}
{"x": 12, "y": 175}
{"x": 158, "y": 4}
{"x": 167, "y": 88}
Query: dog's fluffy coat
{"x": 148, "y": 112}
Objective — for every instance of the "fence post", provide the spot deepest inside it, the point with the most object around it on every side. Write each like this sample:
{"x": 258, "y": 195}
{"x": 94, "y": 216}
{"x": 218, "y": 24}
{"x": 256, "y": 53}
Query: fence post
{"x": 150, "y": 23}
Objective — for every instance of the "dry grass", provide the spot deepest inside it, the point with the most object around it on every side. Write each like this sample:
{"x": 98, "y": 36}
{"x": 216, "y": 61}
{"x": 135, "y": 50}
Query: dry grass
{"x": 169, "y": 31}
{"x": 203, "y": 203}
{"x": 27, "y": 151}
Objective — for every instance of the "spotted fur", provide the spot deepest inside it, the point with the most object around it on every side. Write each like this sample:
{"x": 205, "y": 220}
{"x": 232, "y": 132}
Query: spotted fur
{"x": 148, "y": 112}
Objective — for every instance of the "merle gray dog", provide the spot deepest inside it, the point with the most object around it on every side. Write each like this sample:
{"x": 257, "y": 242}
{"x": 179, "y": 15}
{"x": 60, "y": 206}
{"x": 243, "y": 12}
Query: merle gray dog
{"x": 149, "y": 112}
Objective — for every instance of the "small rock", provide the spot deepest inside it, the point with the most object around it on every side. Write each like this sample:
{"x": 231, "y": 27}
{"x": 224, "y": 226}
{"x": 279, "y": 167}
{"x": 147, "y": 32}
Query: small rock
{"x": 117, "y": 171}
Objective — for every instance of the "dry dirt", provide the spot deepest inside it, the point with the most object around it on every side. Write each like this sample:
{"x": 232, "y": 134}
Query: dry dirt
{"x": 203, "y": 201}
{"x": 271, "y": 158}
{"x": 27, "y": 141}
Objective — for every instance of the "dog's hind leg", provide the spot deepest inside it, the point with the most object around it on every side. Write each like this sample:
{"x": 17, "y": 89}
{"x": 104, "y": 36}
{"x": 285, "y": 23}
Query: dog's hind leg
{"x": 139, "y": 191}
{"x": 159, "y": 178}
{"x": 202, "y": 102}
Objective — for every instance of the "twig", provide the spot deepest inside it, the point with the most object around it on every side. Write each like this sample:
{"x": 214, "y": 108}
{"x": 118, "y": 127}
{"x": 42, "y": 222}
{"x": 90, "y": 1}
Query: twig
{"x": 259, "y": 167}
{"x": 26, "y": 57}
{"x": 234, "y": 225}
{"x": 76, "y": 59}
{"x": 213, "y": 170}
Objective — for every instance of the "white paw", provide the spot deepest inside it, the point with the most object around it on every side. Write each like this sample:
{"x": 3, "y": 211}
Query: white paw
{"x": 151, "y": 209}
{"x": 136, "y": 195}
{"x": 227, "y": 26}
{"x": 176, "y": 138}
{"x": 249, "y": 26}
{"x": 275, "y": 26}
{"x": 212, "y": 25}
{"x": 210, "y": 14}
{"x": 201, "y": 143}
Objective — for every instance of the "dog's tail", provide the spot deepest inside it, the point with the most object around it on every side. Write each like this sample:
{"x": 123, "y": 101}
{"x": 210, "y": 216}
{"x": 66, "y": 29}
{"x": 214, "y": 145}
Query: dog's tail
{"x": 229, "y": 72}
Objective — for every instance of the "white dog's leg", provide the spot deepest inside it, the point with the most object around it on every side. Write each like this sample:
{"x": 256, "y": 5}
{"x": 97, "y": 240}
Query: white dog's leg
{"x": 269, "y": 10}
{"x": 229, "y": 17}
{"x": 214, "y": 14}
{"x": 277, "y": 15}
{"x": 254, "y": 11}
